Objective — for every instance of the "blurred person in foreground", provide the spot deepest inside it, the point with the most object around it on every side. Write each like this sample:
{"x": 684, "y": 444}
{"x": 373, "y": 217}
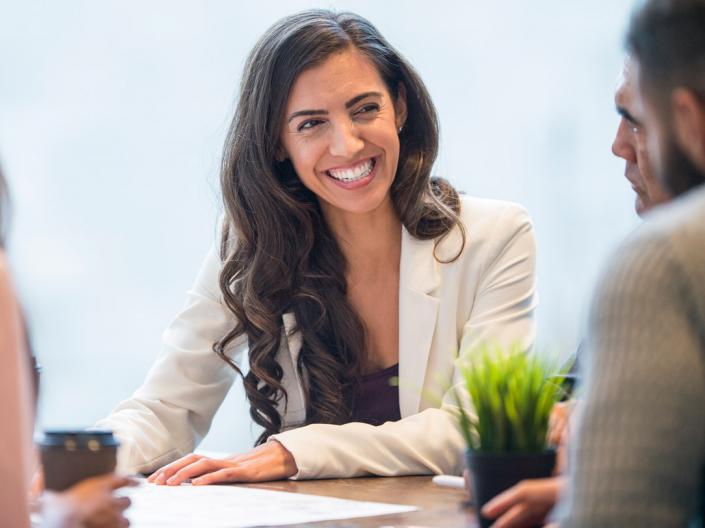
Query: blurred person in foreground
{"x": 89, "y": 503}
{"x": 530, "y": 501}
{"x": 639, "y": 450}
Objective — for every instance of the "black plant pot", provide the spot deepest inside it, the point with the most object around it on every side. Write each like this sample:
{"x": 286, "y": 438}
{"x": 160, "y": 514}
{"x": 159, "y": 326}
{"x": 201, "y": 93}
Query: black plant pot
{"x": 492, "y": 473}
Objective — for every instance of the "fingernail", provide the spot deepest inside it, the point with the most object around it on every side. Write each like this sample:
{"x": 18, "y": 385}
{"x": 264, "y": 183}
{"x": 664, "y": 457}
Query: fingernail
{"x": 195, "y": 482}
{"x": 161, "y": 479}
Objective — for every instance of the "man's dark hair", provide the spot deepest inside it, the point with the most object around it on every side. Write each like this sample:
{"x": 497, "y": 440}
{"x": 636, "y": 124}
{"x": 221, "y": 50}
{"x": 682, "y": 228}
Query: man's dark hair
{"x": 667, "y": 39}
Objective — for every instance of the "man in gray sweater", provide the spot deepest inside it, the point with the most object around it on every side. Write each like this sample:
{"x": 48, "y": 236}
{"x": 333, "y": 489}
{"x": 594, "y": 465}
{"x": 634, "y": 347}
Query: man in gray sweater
{"x": 639, "y": 452}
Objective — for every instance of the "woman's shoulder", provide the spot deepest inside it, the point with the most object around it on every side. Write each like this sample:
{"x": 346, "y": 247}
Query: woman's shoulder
{"x": 485, "y": 213}
{"x": 486, "y": 227}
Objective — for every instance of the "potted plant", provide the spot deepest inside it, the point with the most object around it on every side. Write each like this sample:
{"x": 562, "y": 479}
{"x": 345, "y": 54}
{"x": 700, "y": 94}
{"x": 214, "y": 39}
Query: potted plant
{"x": 511, "y": 394}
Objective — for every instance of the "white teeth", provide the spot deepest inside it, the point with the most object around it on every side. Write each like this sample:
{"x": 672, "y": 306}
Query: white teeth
{"x": 354, "y": 173}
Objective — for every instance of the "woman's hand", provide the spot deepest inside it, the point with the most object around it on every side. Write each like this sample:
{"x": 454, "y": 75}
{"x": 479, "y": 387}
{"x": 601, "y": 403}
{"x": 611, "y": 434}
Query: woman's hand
{"x": 524, "y": 505}
{"x": 269, "y": 461}
{"x": 88, "y": 504}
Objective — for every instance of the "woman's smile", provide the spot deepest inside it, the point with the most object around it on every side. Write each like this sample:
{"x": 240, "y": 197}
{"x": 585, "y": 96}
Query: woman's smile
{"x": 355, "y": 175}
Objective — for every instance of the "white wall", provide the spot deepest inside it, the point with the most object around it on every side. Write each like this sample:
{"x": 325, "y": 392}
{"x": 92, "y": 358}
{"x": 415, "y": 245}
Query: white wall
{"x": 112, "y": 118}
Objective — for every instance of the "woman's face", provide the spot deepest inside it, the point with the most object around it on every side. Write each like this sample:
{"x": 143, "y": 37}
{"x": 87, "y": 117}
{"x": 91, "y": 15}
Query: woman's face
{"x": 340, "y": 133}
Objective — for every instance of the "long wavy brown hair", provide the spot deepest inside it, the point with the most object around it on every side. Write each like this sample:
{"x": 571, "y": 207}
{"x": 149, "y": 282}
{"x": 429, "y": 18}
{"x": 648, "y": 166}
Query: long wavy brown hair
{"x": 278, "y": 253}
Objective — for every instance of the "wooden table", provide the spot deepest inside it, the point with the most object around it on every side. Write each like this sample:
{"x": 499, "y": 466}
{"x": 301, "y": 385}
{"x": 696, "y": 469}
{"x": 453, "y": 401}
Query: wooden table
{"x": 438, "y": 506}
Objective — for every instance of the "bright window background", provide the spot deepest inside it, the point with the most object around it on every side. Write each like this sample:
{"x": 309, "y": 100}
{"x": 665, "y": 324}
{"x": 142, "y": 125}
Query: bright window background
{"x": 112, "y": 119}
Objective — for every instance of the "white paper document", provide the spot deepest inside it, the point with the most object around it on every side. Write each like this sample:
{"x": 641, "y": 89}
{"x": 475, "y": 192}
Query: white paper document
{"x": 234, "y": 507}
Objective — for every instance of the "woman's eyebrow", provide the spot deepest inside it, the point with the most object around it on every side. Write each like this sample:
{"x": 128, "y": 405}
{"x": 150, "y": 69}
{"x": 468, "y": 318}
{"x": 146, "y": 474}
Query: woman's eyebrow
{"x": 300, "y": 113}
{"x": 351, "y": 102}
{"x": 360, "y": 97}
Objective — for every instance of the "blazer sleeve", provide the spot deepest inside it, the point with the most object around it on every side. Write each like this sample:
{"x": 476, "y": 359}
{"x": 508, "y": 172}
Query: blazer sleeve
{"x": 172, "y": 411}
{"x": 430, "y": 442}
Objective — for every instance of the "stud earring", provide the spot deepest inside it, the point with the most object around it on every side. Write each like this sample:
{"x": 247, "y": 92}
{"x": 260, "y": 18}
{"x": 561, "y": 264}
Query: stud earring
{"x": 400, "y": 129}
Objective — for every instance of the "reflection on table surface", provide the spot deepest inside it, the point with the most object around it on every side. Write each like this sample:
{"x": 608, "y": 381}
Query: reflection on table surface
{"x": 438, "y": 506}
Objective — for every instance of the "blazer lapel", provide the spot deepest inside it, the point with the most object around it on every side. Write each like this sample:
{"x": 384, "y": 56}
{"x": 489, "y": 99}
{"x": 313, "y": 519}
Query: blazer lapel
{"x": 418, "y": 309}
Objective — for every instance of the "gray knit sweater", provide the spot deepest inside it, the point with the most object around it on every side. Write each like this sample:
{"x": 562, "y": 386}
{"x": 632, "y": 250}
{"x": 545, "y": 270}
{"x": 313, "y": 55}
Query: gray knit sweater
{"x": 638, "y": 455}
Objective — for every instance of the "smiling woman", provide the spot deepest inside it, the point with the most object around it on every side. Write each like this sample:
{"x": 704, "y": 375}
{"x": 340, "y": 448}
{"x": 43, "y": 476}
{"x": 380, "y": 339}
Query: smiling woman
{"x": 350, "y": 143}
{"x": 342, "y": 265}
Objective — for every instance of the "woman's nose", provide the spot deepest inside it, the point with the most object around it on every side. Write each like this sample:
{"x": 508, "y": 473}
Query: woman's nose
{"x": 345, "y": 140}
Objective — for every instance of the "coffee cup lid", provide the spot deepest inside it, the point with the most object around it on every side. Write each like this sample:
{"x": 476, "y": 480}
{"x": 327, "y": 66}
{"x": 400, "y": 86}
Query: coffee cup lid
{"x": 93, "y": 439}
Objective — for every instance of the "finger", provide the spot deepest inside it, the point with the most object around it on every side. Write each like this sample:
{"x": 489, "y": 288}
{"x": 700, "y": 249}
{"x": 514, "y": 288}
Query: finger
{"x": 112, "y": 481}
{"x": 121, "y": 503}
{"x": 552, "y": 438}
{"x": 154, "y": 477}
{"x": 159, "y": 476}
{"x": 555, "y": 429}
{"x": 222, "y": 475}
{"x": 122, "y": 481}
{"x": 165, "y": 473}
{"x": 37, "y": 486}
{"x": 555, "y": 434}
{"x": 501, "y": 503}
{"x": 115, "y": 520}
{"x": 101, "y": 518}
{"x": 107, "y": 520}
{"x": 107, "y": 482}
{"x": 517, "y": 517}
{"x": 196, "y": 469}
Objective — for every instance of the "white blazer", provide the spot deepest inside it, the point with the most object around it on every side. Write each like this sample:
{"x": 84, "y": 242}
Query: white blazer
{"x": 445, "y": 310}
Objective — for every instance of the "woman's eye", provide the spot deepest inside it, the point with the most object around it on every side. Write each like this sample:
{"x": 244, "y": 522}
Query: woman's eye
{"x": 308, "y": 125}
{"x": 368, "y": 109}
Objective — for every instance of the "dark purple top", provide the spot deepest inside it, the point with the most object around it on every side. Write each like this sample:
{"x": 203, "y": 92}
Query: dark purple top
{"x": 377, "y": 400}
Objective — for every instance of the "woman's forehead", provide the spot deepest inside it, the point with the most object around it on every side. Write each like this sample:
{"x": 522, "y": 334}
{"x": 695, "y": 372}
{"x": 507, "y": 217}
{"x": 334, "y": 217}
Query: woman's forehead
{"x": 341, "y": 76}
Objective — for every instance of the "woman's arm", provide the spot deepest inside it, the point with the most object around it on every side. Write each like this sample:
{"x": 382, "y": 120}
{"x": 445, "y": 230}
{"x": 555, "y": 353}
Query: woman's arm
{"x": 173, "y": 409}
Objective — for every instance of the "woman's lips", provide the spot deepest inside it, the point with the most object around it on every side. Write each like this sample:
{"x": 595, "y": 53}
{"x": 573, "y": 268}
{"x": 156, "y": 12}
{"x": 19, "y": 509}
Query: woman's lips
{"x": 356, "y": 183}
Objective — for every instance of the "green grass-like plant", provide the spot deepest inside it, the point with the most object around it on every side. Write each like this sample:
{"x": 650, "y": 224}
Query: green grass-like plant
{"x": 511, "y": 393}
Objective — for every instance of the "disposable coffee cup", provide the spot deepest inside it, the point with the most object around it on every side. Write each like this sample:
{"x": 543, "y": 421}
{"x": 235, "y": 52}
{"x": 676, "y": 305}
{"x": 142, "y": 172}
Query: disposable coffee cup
{"x": 69, "y": 456}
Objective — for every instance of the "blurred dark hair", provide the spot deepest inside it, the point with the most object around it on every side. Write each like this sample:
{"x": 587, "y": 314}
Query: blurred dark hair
{"x": 278, "y": 253}
{"x": 667, "y": 39}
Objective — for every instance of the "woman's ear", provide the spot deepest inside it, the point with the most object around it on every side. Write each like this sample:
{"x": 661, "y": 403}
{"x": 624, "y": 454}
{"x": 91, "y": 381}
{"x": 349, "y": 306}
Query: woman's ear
{"x": 689, "y": 124}
{"x": 280, "y": 154}
{"x": 400, "y": 107}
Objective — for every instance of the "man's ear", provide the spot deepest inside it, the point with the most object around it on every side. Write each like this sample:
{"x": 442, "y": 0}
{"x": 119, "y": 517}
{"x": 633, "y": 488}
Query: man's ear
{"x": 400, "y": 107}
{"x": 689, "y": 124}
